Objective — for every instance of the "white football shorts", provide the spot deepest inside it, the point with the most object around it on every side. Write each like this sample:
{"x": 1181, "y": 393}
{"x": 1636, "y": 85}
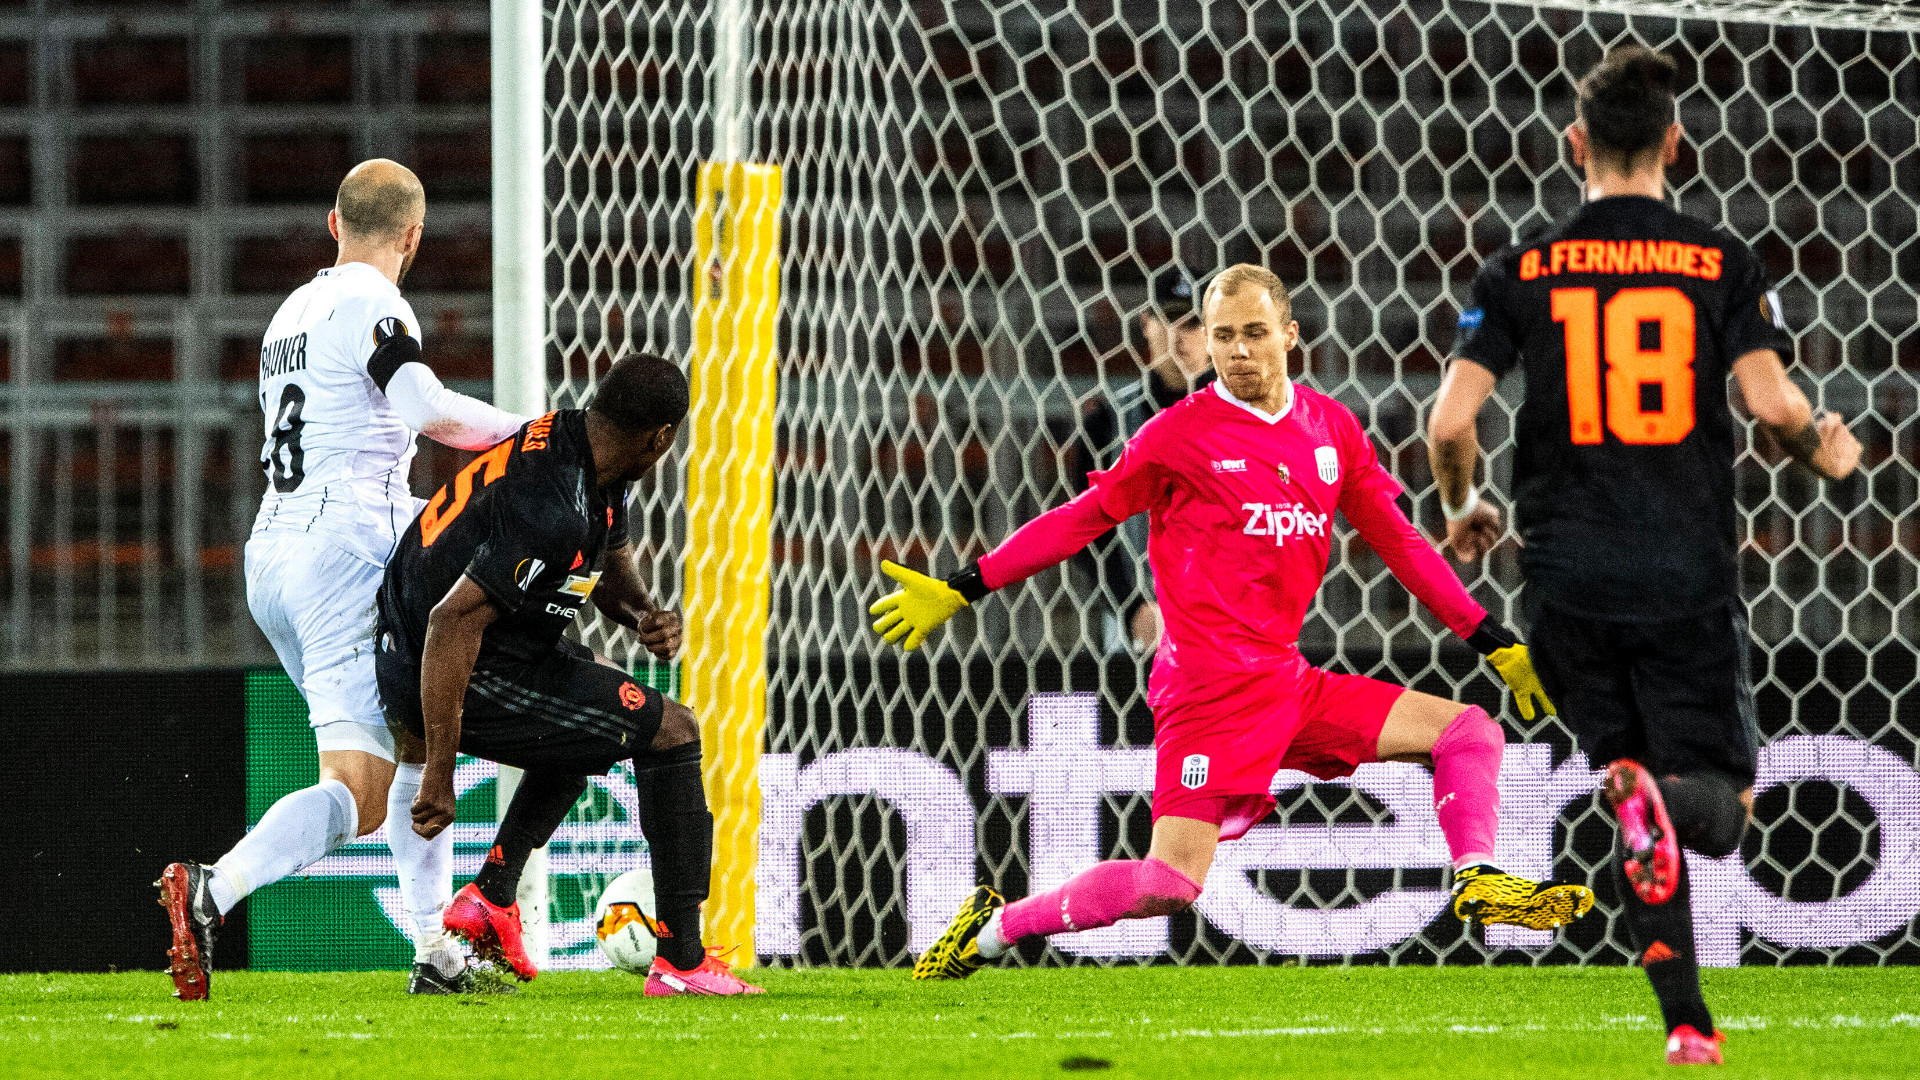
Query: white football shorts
{"x": 314, "y": 600}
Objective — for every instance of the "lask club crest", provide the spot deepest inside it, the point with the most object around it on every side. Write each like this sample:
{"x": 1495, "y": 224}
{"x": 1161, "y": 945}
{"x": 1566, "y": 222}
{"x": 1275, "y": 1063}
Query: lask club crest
{"x": 1286, "y": 474}
{"x": 1328, "y": 459}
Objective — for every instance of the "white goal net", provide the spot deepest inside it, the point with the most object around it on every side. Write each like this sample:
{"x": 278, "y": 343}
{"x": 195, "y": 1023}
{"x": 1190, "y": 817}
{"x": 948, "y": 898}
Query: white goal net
{"x": 991, "y": 211}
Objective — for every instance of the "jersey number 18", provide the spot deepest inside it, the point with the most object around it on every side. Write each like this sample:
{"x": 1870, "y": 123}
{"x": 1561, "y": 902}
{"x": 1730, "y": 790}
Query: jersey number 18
{"x": 1631, "y": 366}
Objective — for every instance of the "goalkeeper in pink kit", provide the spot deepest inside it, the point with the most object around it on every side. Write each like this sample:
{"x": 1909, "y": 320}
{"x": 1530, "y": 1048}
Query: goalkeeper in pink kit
{"x": 1241, "y": 481}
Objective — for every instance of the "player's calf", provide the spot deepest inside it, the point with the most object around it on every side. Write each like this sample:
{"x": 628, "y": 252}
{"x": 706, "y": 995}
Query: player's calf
{"x": 679, "y": 830}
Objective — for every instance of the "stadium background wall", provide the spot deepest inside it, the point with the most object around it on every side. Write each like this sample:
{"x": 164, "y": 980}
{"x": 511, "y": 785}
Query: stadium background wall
{"x": 117, "y": 773}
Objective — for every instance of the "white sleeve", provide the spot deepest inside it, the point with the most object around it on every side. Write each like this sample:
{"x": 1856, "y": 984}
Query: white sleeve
{"x": 427, "y": 406}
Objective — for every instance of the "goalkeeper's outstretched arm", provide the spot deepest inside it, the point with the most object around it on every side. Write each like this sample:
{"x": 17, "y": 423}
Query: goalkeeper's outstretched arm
{"x": 922, "y": 604}
{"x": 1137, "y": 482}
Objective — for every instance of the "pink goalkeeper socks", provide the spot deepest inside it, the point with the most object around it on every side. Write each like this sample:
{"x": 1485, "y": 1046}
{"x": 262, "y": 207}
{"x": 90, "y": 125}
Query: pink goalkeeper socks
{"x": 1466, "y": 789}
{"x": 1100, "y": 895}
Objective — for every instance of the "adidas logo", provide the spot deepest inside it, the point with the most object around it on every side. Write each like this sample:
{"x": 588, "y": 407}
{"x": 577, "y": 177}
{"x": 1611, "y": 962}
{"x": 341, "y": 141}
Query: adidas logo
{"x": 1656, "y": 953}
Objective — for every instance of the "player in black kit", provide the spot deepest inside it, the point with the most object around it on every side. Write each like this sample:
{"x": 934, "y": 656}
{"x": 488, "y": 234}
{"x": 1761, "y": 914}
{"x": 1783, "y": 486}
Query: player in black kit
{"x": 1628, "y": 318}
{"x": 471, "y": 656}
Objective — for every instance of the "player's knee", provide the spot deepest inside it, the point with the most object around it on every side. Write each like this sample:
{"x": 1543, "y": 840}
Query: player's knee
{"x": 371, "y": 805}
{"x": 1166, "y": 889}
{"x": 678, "y": 727}
{"x": 1724, "y": 827}
{"x": 1472, "y": 729}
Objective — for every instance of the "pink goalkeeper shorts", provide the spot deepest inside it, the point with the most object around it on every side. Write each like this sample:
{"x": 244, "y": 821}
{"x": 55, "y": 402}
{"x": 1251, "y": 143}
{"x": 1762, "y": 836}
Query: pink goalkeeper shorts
{"x": 1215, "y": 760}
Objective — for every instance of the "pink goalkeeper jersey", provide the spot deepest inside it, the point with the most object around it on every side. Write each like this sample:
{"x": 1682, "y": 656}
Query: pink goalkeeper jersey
{"x": 1241, "y": 508}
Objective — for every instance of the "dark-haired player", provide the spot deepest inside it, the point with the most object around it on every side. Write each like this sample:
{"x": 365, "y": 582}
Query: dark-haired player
{"x": 472, "y": 657}
{"x": 344, "y": 388}
{"x": 1240, "y": 483}
{"x": 1628, "y": 318}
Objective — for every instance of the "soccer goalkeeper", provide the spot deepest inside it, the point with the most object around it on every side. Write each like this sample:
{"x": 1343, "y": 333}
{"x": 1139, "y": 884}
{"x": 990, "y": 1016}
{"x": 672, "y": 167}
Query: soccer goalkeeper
{"x": 1240, "y": 482}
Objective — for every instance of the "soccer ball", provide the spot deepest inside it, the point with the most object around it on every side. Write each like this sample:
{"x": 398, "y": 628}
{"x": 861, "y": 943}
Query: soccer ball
{"x": 624, "y": 921}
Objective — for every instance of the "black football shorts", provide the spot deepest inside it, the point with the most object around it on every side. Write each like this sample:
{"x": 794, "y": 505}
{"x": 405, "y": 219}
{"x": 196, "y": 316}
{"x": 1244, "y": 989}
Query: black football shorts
{"x": 565, "y": 712}
{"x": 1675, "y": 695}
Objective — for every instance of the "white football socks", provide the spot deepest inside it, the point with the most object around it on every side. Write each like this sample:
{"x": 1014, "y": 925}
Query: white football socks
{"x": 425, "y": 867}
{"x": 295, "y": 833}
{"x": 989, "y": 942}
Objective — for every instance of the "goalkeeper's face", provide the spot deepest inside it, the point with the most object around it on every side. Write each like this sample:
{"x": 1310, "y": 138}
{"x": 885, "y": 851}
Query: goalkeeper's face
{"x": 1248, "y": 338}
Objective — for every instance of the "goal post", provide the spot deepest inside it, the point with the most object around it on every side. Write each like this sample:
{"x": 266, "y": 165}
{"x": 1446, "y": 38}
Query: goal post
{"x": 979, "y": 208}
{"x": 519, "y": 300}
{"x": 729, "y": 514}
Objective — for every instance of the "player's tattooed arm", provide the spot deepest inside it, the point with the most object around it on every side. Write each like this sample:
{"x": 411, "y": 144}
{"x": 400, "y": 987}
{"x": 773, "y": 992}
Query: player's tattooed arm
{"x": 446, "y": 666}
{"x": 622, "y": 597}
{"x": 1800, "y": 445}
{"x": 1822, "y": 443}
{"x": 1453, "y": 452}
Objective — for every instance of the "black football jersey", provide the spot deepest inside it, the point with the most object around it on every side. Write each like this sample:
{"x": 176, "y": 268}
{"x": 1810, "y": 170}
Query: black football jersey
{"x": 1627, "y": 317}
{"x": 527, "y": 523}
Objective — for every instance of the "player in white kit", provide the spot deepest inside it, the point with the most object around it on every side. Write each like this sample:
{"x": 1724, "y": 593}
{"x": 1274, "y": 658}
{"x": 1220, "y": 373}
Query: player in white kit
{"x": 343, "y": 390}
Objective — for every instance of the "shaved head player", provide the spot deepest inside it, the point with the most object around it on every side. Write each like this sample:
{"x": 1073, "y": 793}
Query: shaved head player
{"x": 1240, "y": 482}
{"x": 1628, "y": 318}
{"x": 344, "y": 388}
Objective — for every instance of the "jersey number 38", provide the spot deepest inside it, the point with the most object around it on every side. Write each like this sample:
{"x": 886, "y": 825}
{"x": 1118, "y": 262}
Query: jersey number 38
{"x": 1648, "y": 337}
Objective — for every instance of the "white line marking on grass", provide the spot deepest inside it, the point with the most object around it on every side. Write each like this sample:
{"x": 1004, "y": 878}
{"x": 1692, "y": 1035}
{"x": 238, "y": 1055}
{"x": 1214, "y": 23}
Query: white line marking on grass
{"x": 1243, "y": 1033}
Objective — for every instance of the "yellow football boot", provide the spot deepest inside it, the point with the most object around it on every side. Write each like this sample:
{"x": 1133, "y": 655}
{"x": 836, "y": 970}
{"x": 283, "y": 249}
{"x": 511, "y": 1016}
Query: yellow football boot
{"x": 955, "y": 954}
{"x": 1487, "y": 895}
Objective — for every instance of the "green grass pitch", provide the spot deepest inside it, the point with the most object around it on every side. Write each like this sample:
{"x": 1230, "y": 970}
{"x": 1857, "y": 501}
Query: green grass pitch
{"x": 1155, "y": 1023}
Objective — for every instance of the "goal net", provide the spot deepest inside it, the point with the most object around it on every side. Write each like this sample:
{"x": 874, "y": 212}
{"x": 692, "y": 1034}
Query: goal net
{"x": 988, "y": 219}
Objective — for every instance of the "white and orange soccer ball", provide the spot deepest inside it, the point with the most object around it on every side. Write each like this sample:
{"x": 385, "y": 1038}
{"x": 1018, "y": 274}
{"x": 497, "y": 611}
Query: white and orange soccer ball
{"x": 625, "y": 922}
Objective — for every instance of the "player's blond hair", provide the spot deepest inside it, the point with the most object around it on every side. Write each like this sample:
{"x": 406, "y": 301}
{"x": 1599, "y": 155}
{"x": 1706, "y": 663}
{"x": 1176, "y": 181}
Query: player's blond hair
{"x": 1229, "y": 281}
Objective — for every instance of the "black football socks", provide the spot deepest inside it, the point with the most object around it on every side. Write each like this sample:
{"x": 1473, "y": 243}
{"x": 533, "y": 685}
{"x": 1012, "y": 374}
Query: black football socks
{"x": 679, "y": 831}
{"x": 539, "y": 805}
{"x": 1662, "y": 935}
{"x": 1707, "y": 813}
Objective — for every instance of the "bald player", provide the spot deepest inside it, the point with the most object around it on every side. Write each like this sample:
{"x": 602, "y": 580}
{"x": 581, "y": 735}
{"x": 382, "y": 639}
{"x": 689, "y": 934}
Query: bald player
{"x": 344, "y": 389}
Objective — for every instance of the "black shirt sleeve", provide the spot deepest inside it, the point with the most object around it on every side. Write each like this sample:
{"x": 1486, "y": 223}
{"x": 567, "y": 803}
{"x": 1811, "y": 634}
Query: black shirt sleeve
{"x": 529, "y": 547}
{"x": 1488, "y": 336}
{"x": 1753, "y": 318}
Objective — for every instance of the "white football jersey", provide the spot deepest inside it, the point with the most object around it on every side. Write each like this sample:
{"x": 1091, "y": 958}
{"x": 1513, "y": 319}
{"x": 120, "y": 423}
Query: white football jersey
{"x": 336, "y": 454}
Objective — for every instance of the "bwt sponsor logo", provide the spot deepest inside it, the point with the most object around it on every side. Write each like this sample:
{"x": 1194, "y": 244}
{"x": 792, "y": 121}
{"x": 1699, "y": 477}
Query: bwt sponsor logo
{"x": 1230, "y": 465}
{"x": 1281, "y": 520}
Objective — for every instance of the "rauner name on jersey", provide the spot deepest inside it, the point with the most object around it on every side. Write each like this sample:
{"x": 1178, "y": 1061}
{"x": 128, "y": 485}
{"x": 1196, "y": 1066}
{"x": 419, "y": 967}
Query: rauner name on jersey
{"x": 336, "y": 454}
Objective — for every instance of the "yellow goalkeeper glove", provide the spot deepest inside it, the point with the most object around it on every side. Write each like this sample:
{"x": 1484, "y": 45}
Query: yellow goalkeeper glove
{"x": 1511, "y": 659}
{"x": 916, "y": 609}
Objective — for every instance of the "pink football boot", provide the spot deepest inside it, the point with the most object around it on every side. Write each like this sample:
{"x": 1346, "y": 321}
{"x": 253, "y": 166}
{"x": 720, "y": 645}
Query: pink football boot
{"x": 1686, "y": 1046}
{"x": 713, "y": 976}
{"x": 1653, "y": 853}
{"x": 494, "y": 932}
